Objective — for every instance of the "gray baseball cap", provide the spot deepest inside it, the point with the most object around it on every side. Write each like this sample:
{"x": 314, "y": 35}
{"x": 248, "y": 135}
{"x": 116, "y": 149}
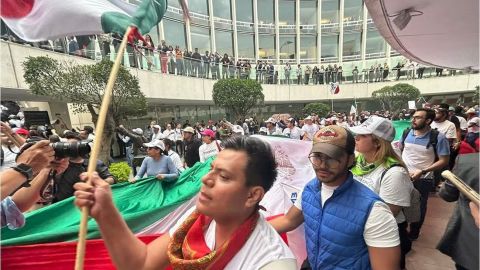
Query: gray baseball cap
{"x": 378, "y": 126}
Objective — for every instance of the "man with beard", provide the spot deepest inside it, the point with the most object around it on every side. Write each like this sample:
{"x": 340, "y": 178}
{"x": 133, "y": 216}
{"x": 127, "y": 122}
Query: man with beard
{"x": 424, "y": 151}
{"x": 347, "y": 226}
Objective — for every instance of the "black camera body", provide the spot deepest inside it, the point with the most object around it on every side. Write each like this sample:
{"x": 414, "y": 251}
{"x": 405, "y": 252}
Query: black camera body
{"x": 66, "y": 149}
{"x": 63, "y": 149}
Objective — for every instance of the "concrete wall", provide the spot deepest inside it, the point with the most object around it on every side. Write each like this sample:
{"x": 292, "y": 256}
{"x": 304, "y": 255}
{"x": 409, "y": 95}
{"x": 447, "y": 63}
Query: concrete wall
{"x": 169, "y": 89}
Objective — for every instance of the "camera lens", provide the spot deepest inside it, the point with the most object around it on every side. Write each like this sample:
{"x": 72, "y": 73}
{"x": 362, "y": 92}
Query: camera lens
{"x": 65, "y": 149}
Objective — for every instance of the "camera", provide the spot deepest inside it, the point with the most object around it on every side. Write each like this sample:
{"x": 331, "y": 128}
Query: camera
{"x": 66, "y": 149}
{"x": 63, "y": 149}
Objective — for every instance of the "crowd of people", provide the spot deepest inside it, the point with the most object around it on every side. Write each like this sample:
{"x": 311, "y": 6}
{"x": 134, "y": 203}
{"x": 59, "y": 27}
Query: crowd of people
{"x": 172, "y": 59}
{"x": 372, "y": 192}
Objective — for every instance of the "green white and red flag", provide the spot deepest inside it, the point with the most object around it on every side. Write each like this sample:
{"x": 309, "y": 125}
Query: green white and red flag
{"x": 38, "y": 20}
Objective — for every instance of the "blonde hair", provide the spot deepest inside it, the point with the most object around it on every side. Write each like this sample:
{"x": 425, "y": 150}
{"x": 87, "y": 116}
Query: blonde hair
{"x": 385, "y": 151}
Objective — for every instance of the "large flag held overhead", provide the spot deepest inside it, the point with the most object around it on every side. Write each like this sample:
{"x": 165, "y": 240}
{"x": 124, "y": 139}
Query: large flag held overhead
{"x": 37, "y": 20}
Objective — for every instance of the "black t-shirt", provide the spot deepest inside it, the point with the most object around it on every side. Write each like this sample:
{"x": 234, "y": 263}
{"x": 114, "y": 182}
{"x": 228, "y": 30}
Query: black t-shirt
{"x": 191, "y": 151}
{"x": 64, "y": 182}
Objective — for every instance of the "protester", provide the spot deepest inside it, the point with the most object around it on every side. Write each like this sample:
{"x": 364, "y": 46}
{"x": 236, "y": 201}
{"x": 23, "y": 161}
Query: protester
{"x": 223, "y": 231}
{"x": 157, "y": 164}
{"x": 210, "y": 146}
{"x": 424, "y": 151}
{"x": 177, "y": 161}
{"x": 272, "y": 128}
{"x": 192, "y": 144}
{"x": 137, "y": 139}
{"x": 309, "y": 128}
{"x": 347, "y": 226}
{"x": 471, "y": 143}
{"x": 460, "y": 240}
{"x": 76, "y": 165}
{"x": 292, "y": 131}
{"x": 379, "y": 168}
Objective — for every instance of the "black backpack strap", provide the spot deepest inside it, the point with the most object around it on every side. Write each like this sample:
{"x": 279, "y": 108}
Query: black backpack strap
{"x": 404, "y": 136}
{"x": 385, "y": 171}
{"x": 433, "y": 140}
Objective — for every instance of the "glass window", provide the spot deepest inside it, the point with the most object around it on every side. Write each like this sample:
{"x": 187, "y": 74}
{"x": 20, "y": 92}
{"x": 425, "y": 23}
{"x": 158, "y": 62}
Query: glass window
{"x": 351, "y": 43}
{"x": 265, "y": 11}
{"x": 330, "y": 10}
{"x": 246, "y": 46}
{"x": 353, "y": 10}
{"x": 329, "y": 46}
{"x": 266, "y": 47}
{"x": 286, "y": 12}
{"x": 221, "y": 9}
{"x": 198, "y": 6}
{"x": 375, "y": 42}
{"x": 200, "y": 38}
{"x": 308, "y": 12}
{"x": 287, "y": 47}
{"x": 224, "y": 42}
{"x": 308, "y": 47}
{"x": 174, "y": 34}
{"x": 244, "y": 10}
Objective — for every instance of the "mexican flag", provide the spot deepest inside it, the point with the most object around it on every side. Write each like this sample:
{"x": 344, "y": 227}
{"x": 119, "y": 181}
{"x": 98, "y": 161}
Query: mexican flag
{"x": 38, "y": 20}
{"x": 150, "y": 208}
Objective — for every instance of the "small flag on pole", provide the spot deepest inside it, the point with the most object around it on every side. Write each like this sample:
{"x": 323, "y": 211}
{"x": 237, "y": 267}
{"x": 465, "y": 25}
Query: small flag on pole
{"x": 353, "y": 110}
{"x": 334, "y": 88}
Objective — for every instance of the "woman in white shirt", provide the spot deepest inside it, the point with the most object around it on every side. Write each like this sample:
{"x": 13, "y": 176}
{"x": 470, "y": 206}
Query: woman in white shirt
{"x": 210, "y": 146}
{"x": 379, "y": 168}
{"x": 169, "y": 146}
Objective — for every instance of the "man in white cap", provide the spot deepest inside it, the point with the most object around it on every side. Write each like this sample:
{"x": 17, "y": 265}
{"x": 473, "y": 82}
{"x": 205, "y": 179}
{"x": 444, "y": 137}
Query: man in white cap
{"x": 191, "y": 144}
{"x": 292, "y": 131}
{"x": 309, "y": 128}
{"x": 272, "y": 128}
{"x": 137, "y": 139}
{"x": 157, "y": 133}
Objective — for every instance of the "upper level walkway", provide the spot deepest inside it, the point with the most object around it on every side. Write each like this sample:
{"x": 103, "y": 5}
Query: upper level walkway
{"x": 170, "y": 89}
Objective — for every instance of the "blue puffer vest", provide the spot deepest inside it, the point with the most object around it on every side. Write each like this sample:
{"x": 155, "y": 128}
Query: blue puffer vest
{"x": 334, "y": 233}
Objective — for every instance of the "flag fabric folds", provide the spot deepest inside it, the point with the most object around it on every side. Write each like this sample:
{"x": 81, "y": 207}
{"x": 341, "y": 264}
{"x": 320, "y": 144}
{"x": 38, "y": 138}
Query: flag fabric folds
{"x": 38, "y": 20}
{"x": 141, "y": 204}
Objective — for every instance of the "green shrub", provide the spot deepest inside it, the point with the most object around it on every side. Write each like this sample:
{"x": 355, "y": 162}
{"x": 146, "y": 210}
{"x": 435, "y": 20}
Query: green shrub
{"x": 121, "y": 171}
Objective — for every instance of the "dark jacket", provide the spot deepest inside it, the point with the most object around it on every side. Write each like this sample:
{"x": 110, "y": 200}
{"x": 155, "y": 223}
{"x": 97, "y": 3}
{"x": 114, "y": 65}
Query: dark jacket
{"x": 191, "y": 151}
{"x": 460, "y": 240}
{"x": 137, "y": 140}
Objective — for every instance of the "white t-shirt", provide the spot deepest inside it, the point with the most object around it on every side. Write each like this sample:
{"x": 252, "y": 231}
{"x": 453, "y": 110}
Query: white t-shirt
{"x": 463, "y": 122}
{"x": 262, "y": 247}
{"x": 395, "y": 187}
{"x": 446, "y": 127}
{"x": 9, "y": 156}
{"x": 208, "y": 150}
{"x": 381, "y": 229}
{"x": 157, "y": 136}
{"x": 274, "y": 131}
{"x": 169, "y": 134}
{"x": 310, "y": 130}
{"x": 176, "y": 160}
{"x": 178, "y": 134}
{"x": 293, "y": 133}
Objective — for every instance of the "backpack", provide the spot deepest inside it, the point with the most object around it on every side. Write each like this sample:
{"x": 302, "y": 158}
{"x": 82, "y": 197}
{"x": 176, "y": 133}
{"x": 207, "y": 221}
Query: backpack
{"x": 412, "y": 213}
{"x": 433, "y": 140}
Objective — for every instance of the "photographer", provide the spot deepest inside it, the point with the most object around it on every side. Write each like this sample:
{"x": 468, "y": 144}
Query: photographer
{"x": 77, "y": 165}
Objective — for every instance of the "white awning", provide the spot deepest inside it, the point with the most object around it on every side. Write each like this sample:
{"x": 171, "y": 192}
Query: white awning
{"x": 442, "y": 33}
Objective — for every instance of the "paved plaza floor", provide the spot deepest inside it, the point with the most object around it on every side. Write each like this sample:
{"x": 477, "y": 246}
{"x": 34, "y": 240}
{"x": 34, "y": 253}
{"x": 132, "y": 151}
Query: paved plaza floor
{"x": 424, "y": 255}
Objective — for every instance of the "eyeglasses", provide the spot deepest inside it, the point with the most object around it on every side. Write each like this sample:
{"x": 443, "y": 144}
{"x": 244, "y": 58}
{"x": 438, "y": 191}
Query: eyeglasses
{"x": 317, "y": 159}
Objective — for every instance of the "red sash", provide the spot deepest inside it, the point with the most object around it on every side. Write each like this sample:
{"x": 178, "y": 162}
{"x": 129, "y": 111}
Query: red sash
{"x": 188, "y": 250}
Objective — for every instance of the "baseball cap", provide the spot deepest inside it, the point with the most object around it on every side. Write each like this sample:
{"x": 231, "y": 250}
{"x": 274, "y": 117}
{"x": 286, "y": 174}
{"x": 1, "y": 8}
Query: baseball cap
{"x": 271, "y": 120}
{"x": 156, "y": 143}
{"x": 471, "y": 111}
{"x": 138, "y": 131}
{"x": 156, "y": 126}
{"x": 308, "y": 118}
{"x": 378, "y": 126}
{"x": 334, "y": 141}
{"x": 208, "y": 132}
{"x": 22, "y": 131}
{"x": 238, "y": 129}
{"x": 189, "y": 129}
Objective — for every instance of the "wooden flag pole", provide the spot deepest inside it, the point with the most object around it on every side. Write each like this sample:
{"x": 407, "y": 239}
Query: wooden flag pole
{"x": 92, "y": 163}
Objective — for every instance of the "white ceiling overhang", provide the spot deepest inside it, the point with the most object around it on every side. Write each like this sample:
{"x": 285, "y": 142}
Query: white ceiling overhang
{"x": 440, "y": 33}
